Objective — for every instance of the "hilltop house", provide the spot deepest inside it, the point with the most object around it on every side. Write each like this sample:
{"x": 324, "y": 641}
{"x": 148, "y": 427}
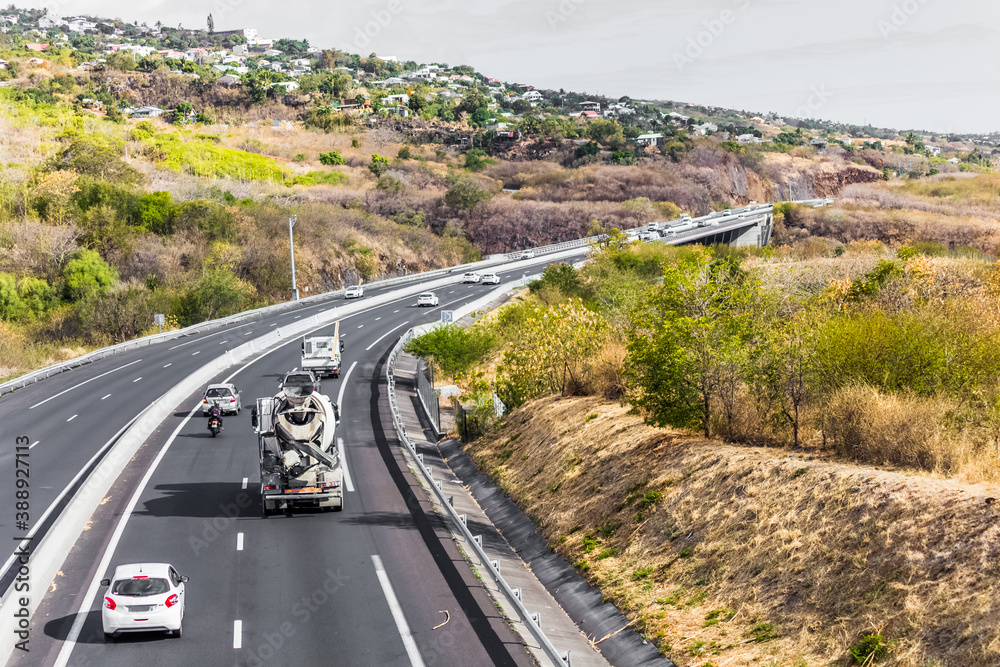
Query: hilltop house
{"x": 818, "y": 141}
{"x": 748, "y": 139}
{"x": 590, "y": 106}
{"x": 532, "y": 96}
{"x": 651, "y": 139}
{"x": 289, "y": 86}
{"x": 147, "y": 112}
{"x": 394, "y": 100}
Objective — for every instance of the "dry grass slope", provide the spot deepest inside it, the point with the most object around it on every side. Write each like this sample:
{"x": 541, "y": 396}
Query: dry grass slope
{"x": 738, "y": 556}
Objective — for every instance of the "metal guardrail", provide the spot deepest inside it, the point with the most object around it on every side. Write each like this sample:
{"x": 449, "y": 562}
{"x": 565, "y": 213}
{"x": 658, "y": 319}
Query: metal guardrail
{"x": 531, "y": 620}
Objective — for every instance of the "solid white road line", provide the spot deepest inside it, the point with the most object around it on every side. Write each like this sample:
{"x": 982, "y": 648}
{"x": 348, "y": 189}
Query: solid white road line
{"x": 245, "y": 480}
{"x": 105, "y": 396}
{"x": 239, "y": 541}
{"x": 384, "y": 335}
{"x": 72, "y": 418}
{"x": 348, "y": 482}
{"x": 33, "y": 444}
{"x": 109, "y": 551}
{"x": 237, "y": 634}
{"x": 82, "y": 383}
{"x": 397, "y": 614}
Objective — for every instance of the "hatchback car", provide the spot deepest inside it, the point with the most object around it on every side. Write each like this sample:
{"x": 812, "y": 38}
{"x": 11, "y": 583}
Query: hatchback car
{"x": 528, "y": 254}
{"x": 144, "y": 597}
{"x": 355, "y": 292}
{"x": 427, "y": 299}
{"x": 727, "y": 212}
{"x": 226, "y": 396}
{"x": 491, "y": 279}
{"x": 471, "y": 277}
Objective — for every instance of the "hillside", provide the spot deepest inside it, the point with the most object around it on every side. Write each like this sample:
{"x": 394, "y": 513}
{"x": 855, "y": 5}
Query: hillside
{"x": 728, "y": 555}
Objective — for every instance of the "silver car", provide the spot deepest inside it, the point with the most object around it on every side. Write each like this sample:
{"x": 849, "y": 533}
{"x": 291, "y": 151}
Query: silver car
{"x": 355, "y": 292}
{"x": 226, "y": 396}
{"x": 427, "y": 299}
{"x": 490, "y": 279}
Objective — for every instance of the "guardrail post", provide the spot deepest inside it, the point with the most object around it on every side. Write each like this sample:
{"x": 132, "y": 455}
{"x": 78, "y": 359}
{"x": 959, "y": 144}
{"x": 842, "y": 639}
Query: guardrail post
{"x": 464, "y": 518}
{"x": 451, "y": 500}
{"x": 517, "y": 594}
{"x": 536, "y": 617}
{"x": 567, "y": 659}
{"x": 478, "y": 539}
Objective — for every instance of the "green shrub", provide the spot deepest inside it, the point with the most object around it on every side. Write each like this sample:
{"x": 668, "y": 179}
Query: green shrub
{"x": 453, "y": 349}
{"x": 870, "y": 648}
{"x": 331, "y": 159}
{"x": 86, "y": 274}
{"x": 761, "y": 632}
{"x": 320, "y": 178}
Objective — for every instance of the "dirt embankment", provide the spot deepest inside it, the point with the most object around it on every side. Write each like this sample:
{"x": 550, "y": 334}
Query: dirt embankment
{"x": 821, "y": 177}
{"x": 731, "y": 556}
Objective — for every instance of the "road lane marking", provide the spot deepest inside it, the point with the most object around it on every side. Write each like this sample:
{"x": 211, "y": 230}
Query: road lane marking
{"x": 82, "y": 383}
{"x": 137, "y": 379}
{"x": 348, "y": 482}
{"x": 223, "y": 342}
{"x": 105, "y": 396}
{"x": 33, "y": 444}
{"x": 245, "y": 480}
{"x": 194, "y": 353}
{"x": 296, "y": 317}
{"x": 72, "y": 418}
{"x": 275, "y": 324}
{"x": 384, "y": 335}
{"x": 397, "y": 614}
{"x": 237, "y": 634}
{"x": 169, "y": 365}
{"x": 361, "y": 326}
{"x": 377, "y": 319}
{"x": 239, "y": 541}
{"x": 395, "y": 311}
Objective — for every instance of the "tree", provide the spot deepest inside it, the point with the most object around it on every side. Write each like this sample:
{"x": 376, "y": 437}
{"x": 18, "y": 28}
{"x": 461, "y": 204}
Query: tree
{"x": 453, "y": 349}
{"x": 690, "y": 342}
{"x": 465, "y": 192}
{"x": 211, "y": 24}
{"x": 86, "y": 274}
{"x": 379, "y": 165}
{"x": 97, "y": 156}
{"x": 477, "y": 160}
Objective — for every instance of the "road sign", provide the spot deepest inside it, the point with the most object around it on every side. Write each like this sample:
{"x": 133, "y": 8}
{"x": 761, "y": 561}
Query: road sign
{"x": 159, "y": 320}
{"x": 447, "y": 316}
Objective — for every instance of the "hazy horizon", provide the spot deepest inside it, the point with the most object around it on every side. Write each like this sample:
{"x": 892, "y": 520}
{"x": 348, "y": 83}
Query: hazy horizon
{"x": 800, "y": 59}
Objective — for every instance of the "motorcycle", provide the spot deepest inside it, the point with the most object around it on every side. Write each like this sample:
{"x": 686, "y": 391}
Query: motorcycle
{"x": 214, "y": 424}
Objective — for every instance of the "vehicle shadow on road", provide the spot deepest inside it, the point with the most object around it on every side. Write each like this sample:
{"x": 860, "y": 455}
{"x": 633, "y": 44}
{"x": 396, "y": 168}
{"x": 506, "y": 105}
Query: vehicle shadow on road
{"x": 93, "y": 631}
{"x": 392, "y": 519}
{"x": 203, "y": 500}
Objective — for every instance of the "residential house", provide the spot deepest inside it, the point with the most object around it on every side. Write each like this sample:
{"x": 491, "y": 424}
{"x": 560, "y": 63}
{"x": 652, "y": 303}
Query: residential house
{"x": 398, "y": 110}
{"x": 953, "y": 160}
{"x": 46, "y": 22}
{"x": 241, "y": 49}
{"x": 273, "y": 52}
{"x": 590, "y": 106}
{"x": 229, "y": 80}
{"x": 394, "y": 81}
{"x": 81, "y": 25}
{"x": 392, "y": 100}
{"x": 589, "y": 114}
{"x": 532, "y": 96}
{"x": 147, "y": 112}
{"x": 818, "y": 141}
{"x": 36, "y": 46}
{"x": 677, "y": 118}
{"x": 289, "y": 86}
{"x": 651, "y": 139}
{"x": 301, "y": 62}
{"x": 748, "y": 139}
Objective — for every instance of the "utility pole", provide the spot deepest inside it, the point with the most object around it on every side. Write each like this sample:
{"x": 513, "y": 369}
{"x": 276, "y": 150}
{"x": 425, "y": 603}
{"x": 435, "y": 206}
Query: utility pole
{"x": 291, "y": 248}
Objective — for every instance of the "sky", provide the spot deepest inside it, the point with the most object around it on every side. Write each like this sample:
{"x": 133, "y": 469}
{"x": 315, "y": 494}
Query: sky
{"x": 907, "y": 64}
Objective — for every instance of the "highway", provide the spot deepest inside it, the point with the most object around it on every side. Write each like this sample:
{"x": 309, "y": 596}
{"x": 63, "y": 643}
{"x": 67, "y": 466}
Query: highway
{"x": 367, "y": 586}
{"x": 369, "y": 583}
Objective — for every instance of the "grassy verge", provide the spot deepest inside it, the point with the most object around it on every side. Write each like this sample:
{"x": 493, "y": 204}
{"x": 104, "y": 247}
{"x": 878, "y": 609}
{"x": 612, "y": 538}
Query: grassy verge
{"x": 739, "y": 556}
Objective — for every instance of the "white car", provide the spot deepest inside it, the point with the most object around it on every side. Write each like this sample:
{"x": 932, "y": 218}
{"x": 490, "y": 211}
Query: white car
{"x": 727, "y": 212}
{"x": 427, "y": 299}
{"x": 355, "y": 292}
{"x": 528, "y": 254}
{"x": 471, "y": 277}
{"x": 226, "y": 396}
{"x": 491, "y": 279}
{"x": 143, "y": 597}
{"x": 753, "y": 202}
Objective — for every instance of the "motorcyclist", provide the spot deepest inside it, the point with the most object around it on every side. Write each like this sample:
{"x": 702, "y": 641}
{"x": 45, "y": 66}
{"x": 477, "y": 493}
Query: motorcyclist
{"x": 216, "y": 412}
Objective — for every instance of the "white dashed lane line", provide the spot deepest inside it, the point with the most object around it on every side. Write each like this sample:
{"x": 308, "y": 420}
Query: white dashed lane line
{"x": 194, "y": 353}
{"x": 33, "y": 444}
{"x": 169, "y": 365}
{"x": 239, "y": 541}
{"x": 237, "y": 634}
{"x": 361, "y": 326}
{"x": 105, "y": 396}
{"x": 72, "y": 418}
{"x": 245, "y": 480}
{"x": 83, "y": 383}
{"x": 137, "y": 379}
